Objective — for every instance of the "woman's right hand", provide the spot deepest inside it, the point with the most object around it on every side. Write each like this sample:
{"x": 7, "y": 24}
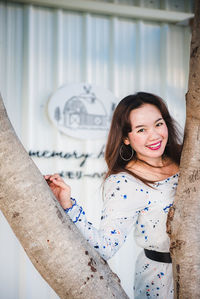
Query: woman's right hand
{"x": 60, "y": 189}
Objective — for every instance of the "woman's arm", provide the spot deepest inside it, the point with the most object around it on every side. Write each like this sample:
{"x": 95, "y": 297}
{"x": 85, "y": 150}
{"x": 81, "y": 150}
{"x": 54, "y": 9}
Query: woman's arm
{"x": 111, "y": 234}
{"x": 118, "y": 216}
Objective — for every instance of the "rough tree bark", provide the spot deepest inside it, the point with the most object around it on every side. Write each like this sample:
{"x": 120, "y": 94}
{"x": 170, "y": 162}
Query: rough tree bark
{"x": 184, "y": 216}
{"x": 54, "y": 245}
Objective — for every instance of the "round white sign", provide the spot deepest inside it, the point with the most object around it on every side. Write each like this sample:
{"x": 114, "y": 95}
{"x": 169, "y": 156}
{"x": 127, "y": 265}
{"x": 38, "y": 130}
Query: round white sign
{"x": 82, "y": 110}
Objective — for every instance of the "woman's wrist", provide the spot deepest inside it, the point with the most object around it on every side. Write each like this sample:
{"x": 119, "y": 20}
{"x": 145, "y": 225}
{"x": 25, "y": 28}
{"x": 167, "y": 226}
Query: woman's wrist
{"x": 70, "y": 204}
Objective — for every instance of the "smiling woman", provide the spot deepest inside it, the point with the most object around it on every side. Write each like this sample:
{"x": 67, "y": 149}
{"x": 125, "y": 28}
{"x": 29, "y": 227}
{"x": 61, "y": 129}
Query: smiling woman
{"x": 142, "y": 154}
{"x": 142, "y": 124}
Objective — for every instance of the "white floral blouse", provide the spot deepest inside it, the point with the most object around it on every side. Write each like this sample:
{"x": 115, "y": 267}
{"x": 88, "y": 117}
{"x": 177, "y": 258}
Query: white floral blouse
{"x": 129, "y": 202}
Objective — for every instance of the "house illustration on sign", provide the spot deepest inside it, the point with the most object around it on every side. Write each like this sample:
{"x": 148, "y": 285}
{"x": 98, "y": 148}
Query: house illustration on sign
{"x": 85, "y": 111}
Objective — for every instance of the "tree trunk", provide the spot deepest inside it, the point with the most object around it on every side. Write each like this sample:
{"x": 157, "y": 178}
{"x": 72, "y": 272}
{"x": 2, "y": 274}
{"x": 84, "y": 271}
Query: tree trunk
{"x": 184, "y": 216}
{"x": 52, "y": 242}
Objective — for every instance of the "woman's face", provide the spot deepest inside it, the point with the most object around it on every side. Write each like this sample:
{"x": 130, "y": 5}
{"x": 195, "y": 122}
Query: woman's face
{"x": 149, "y": 133}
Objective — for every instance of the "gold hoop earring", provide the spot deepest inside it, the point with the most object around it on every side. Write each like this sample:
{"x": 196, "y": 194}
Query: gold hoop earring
{"x": 121, "y": 151}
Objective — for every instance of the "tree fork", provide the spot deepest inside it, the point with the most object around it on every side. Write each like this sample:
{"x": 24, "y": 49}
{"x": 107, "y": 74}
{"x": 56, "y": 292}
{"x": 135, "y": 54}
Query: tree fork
{"x": 184, "y": 217}
{"x": 54, "y": 245}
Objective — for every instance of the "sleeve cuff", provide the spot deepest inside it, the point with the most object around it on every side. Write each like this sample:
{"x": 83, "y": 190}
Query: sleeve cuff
{"x": 73, "y": 204}
{"x": 75, "y": 212}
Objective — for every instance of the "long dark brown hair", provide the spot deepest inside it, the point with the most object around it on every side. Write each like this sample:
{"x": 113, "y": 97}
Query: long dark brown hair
{"x": 121, "y": 126}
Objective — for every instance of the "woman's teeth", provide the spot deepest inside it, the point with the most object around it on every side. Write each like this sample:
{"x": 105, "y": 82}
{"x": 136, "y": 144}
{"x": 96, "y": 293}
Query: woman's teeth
{"x": 154, "y": 146}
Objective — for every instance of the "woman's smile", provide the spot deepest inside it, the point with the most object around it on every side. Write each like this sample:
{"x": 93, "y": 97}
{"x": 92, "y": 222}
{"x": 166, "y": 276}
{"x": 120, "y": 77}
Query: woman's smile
{"x": 154, "y": 146}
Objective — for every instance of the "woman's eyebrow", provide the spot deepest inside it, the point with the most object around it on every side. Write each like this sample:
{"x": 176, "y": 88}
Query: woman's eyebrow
{"x": 159, "y": 119}
{"x": 139, "y": 126}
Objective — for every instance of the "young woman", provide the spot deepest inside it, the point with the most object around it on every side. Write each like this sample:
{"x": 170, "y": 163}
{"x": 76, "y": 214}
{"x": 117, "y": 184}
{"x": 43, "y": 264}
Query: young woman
{"x": 143, "y": 154}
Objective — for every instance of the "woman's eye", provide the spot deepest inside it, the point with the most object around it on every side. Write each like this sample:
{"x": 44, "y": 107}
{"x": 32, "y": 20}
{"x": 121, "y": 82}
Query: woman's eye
{"x": 140, "y": 130}
{"x": 159, "y": 124}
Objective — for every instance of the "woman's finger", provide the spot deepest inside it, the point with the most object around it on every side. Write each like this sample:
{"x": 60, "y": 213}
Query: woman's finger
{"x": 56, "y": 177}
{"x": 61, "y": 184}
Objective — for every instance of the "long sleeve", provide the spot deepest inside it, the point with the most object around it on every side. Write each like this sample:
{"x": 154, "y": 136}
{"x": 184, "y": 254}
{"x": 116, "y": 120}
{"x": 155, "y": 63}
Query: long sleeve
{"x": 119, "y": 214}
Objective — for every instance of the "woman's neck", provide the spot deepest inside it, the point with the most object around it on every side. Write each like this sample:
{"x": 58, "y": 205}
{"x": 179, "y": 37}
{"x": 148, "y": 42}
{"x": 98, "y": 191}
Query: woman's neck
{"x": 153, "y": 172}
{"x": 155, "y": 162}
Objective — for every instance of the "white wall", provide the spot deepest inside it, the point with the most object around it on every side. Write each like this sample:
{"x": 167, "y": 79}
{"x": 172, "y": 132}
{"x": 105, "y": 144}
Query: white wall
{"x": 42, "y": 49}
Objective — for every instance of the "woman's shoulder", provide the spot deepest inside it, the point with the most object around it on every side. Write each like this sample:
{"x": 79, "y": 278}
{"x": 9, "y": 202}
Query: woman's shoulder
{"x": 122, "y": 179}
{"x": 124, "y": 188}
{"x": 123, "y": 175}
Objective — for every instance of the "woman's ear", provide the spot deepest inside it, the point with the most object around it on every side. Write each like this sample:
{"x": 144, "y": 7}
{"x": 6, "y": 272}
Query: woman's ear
{"x": 126, "y": 141}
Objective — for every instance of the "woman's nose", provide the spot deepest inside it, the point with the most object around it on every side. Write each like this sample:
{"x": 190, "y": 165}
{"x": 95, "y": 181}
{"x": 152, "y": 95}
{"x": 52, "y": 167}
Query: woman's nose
{"x": 153, "y": 134}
